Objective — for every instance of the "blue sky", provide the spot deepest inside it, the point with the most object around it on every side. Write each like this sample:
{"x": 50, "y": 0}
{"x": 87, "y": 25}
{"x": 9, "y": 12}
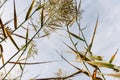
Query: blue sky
{"x": 106, "y": 40}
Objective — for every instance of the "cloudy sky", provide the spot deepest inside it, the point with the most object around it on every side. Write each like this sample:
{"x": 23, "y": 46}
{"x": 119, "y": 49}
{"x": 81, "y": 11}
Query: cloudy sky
{"x": 107, "y": 37}
{"x": 106, "y": 40}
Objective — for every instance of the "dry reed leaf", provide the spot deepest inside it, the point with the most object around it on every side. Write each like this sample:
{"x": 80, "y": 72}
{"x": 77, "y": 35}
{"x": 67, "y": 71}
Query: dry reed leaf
{"x": 98, "y": 78}
{"x": 1, "y": 50}
{"x": 104, "y": 64}
{"x": 113, "y": 57}
{"x": 20, "y": 36}
{"x": 1, "y": 54}
{"x": 34, "y": 63}
{"x": 29, "y": 10}
{"x": 94, "y": 74}
{"x": 78, "y": 53}
{"x": 15, "y": 15}
{"x": 27, "y": 37}
{"x": 3, "y": 28}
{"x": 12, "y": 40}
{"x": 42, "y": 17}
{"x": 92, "y": 40}
{"x": 117, "y": 75}
{"x": 76, "y": 36}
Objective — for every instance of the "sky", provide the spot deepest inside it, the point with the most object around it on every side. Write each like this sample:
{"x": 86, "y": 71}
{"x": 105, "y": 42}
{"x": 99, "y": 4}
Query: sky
{"x": 107, "y": 37}
{"x": 105, "y": 44}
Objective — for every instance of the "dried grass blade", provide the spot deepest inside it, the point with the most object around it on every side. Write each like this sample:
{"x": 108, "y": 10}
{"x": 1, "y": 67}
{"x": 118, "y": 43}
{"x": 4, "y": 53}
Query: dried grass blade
{"x": 40, "y": 6}
{"x": 42, "y": 17}
{"x": 30, "y": 9}
{"x": 91, "y": 43}
{"x": 27, "y": 37}
{"x": 117, "y": 75}
{"x": 3, "y": 3}
{"x": 113, "y": 57}
{"x": 79, "y": 5}
{"x": 15, "y": 15}
{"x": 85, "y": 72}
{"x": 94, "y": 74}
{"x": 20, "y": 36}
{"x": 104, "y": 64}
{"x": 2, "y": 59}
{"x": 3, "y": 28}
{"x": 7, "y": 22}
{"x": 32, "y": 63}
{"x": 78, "y": 53}
{"x": 21, "y": 67}
{"x": 67, "y": 61}
{"x": 1, "y": 56}
{"x": 74, "y": 35}
{"x": 33, "y": 25}
{"x": 9, "y": 35}
{"x": 1, "y": 50}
